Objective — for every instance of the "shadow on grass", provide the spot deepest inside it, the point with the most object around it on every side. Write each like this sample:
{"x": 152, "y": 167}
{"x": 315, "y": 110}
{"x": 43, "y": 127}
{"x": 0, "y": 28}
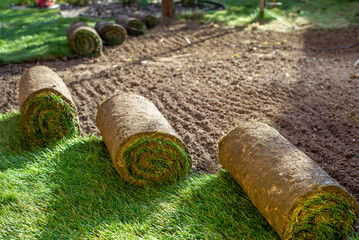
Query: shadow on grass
{"x": 12, "y": 154}
{"x": 91, "y": 200}
{"x": 16, "y": 151}
{"x": 71, "y": 190}
{"x": 217, "y": 204}
{"x": 14, "y": 148}
{"x": 11, "y": 130}
{"x": 89, "y": 194}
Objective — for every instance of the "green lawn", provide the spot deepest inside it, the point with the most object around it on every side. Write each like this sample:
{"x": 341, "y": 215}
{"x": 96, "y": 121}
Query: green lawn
{"x": 32, "y": 35}
{"x": 71, "y": 190}
{"x": 293, "y": 14}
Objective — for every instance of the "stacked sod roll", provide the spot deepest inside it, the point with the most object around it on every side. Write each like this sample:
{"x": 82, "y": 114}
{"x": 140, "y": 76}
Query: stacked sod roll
{"x": 144, "y": 148}
{"x": 111, "y": 33}
{"x": 133, "y": 25}
{"x": 149, "y": 20}
{"x": 298, "y": 198}
{"x": 83, "y": 39}
{"x": 46, "y": 106}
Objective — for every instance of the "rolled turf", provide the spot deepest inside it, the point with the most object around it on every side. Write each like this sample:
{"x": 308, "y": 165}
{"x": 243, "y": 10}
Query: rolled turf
{"x": 149, "y": 20}
{"x": 83, "y": 39}
{"x": 297, "y": 197}
{"x": 111, "y": 33}
{"x": 46, "y": 106}
{"x": 133, "y": 25}
{"x": 145, "y": 149}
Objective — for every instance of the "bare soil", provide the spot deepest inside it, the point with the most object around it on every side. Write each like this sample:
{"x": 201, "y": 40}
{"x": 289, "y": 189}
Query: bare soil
{"x": 223, "y": 76}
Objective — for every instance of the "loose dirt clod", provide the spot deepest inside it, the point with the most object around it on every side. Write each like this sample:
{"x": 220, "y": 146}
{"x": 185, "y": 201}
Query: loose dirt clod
{"x": 297, "y": 197}
{"x": 111, "y": 33}
{"x": 83, "y": 39}
{"x": 143, "y": 146}
{"x": 46, "y": 106}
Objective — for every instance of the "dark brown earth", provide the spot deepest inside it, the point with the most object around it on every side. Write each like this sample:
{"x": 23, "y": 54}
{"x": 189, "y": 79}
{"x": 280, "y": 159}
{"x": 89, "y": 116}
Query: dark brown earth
{"x": 223, "y": 76}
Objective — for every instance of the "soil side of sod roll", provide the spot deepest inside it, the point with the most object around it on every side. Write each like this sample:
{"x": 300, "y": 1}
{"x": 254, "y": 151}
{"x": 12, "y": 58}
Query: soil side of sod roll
{"x": 46, "y": 106}
{"x": 297, "y": 197}
{"x": 111, "y": 33}
{"x": 133, "y": 25}
{"x": 83, "y": 39}
{"x": 145, "y": 149}
{"x": 149, "y": 20}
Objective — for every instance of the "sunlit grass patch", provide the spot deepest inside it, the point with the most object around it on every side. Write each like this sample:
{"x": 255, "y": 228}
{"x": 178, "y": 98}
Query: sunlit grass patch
{"x": 34, "y": 34}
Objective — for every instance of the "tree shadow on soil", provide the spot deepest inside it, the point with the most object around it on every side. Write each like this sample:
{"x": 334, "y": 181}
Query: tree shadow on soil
{"x": 322, "y": 119}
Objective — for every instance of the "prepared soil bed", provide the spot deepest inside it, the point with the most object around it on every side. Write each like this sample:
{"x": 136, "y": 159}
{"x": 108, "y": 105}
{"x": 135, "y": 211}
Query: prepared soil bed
{"x": 223, "y": 76}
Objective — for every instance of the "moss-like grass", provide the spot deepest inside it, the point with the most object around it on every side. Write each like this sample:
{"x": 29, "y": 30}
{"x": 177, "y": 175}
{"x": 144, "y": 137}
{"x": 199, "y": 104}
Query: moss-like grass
{"x": 153, "y": 160}
{"x": 47, "y": 117}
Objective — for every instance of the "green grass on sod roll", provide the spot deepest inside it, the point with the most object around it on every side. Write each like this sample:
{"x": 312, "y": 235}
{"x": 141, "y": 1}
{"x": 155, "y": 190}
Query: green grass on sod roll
{"x": 86, "y": 43}
{"x": 47, "y": 117}
{"x": 136, "y": 27}
{"x": 150, "y": 22}
{"x": 321, "y": 216}
{"x": 150, "y": 158}
{"x": 112, "y": 35}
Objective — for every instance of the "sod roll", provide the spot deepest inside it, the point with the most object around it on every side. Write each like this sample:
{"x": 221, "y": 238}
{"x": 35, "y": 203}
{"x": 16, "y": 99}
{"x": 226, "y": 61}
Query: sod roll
{"x": 298, "y": 198}
{"x": 46, "y": 106}
{"x": 111, "y": 33}
{"x": 133, "y": 25}
{"x": 145, "y": 149}
{"x": 83, "y": 39}
{"x": 149, "y": 20}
